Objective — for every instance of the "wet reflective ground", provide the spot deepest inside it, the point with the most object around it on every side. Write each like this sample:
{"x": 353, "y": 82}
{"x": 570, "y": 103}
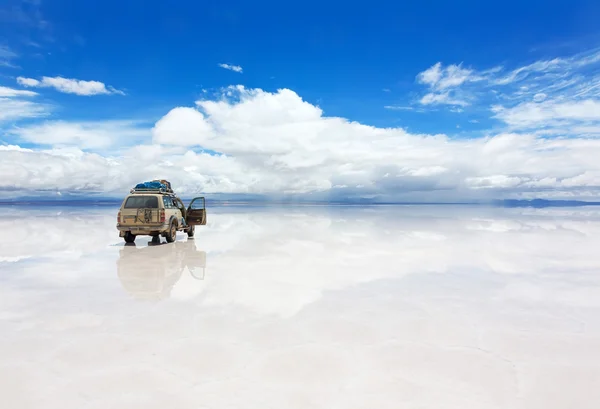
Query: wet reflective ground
{"x": 308, "y": 307}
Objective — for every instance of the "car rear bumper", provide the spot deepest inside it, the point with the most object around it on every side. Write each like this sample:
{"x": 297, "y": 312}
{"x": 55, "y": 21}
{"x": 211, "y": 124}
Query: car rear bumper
{"x": 145, "y": 230}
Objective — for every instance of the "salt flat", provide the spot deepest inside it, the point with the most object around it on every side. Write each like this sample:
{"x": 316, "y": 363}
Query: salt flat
{"x": 307, "y": 307}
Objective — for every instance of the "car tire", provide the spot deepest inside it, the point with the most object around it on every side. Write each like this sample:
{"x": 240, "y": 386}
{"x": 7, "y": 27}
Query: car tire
{"x": 191, "y": 231}
{"x": 129, "y": 238}
{"x": 172, "y": 233}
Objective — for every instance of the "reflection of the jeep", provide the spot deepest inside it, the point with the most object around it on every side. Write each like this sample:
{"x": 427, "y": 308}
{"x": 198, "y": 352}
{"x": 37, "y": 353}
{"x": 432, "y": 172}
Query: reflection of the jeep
{"x": 150, "y": 273}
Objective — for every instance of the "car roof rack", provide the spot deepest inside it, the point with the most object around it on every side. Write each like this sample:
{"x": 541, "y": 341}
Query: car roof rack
{"x": 161, "y": 191}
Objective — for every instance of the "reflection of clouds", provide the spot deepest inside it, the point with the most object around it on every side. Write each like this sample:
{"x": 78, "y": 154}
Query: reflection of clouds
{"x": 290, "y": 261}
{"x": 51, "y": 233}
{"x": 499, "y": 225}
{"x": 311, "y": 308}
{"x": 277, "y": 261}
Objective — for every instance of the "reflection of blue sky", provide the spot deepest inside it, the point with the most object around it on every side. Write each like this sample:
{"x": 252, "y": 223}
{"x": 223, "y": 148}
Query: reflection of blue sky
{"x": 443, "y": 307}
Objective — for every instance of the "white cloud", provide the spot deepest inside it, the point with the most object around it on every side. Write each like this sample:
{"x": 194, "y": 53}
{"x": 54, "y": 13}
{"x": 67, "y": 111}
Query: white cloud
{"x": 454, "y": 76}
{"x": 15, "y": 104}
{"x": 182, "y": 126}
{"x": 235, "y": 68}
{"x": 432, "y": 75}
{"x": 275, "y": 143}
{"x": 72, "y": 170}
{"x": 15, "y": 109}
{"x": 439, "y": 78}
{"x": 555, "y": 97}
{"x": 521, "y": 73}
{"x": 442, "y": 98}
{"x": 558, "y": 80}
{"x": 28, "y": 82}
{"x": 493, "y": 181}
{"x": 444, "y": 82}
{"x": 549, "y": 113}
{"x": 11, "y": 92}
{"x": 70, "y": 86}
{"x": 85, "y": 135}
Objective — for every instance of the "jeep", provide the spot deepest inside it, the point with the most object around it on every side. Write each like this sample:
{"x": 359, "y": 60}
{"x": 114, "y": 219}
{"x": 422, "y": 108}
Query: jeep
{"x": 155, "y": 213}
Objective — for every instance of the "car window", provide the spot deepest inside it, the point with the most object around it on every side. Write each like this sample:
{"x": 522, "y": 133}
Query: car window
{"x": 168, "y": 202}
{"x": 137, "y": 202}
{"x": 198, "y": 204}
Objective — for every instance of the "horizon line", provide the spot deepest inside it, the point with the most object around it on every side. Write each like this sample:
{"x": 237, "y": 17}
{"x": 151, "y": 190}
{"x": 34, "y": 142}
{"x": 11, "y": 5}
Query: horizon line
{"x": 57, "y": 201}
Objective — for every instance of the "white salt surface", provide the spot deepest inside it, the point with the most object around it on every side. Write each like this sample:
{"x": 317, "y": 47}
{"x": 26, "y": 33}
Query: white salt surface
{"x": 406, "y": 307}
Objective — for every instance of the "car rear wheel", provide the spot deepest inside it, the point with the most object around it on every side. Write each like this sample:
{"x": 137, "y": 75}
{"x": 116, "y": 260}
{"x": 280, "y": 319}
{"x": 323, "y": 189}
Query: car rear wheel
{"x": 129, "y": 238}
{"x": 172, "y": 233}
{"x": 191, "y": 231}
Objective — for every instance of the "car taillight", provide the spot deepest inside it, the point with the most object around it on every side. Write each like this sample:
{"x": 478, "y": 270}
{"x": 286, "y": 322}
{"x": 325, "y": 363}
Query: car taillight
{"x": 119, "y": 217}
{"x": 162, "y": 215}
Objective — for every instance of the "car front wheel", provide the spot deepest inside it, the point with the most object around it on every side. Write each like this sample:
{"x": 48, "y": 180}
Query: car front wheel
{"x": 191, "y": 231}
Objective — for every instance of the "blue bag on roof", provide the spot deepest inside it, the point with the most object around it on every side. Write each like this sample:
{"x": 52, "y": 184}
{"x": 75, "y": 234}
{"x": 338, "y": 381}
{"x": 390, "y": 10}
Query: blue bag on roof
{"x": 151, "y": 185}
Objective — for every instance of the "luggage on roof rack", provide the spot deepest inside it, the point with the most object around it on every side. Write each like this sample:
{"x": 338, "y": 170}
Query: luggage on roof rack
{"x": 164, "y": 182}
{"x": 156, "y": 186}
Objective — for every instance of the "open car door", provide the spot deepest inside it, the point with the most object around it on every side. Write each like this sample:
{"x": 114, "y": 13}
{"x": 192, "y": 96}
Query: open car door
{"x": 196, "y": 212}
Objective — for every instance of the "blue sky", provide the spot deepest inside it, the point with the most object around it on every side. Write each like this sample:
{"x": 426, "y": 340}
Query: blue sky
{"x": 465, "y": 70}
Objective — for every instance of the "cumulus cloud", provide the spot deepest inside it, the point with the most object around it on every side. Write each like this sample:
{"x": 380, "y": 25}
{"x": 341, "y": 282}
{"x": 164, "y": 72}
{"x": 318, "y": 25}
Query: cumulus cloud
{"x": 72, "y": 170}
{"x": 276, "y": 143}
{"x": 70, "y": 86}
{"x": 182, "y": 126}
{"x": 235, "y": 68}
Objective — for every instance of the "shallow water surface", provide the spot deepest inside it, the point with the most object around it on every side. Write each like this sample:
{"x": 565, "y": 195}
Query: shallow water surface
{"x": 311, "y": 307}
